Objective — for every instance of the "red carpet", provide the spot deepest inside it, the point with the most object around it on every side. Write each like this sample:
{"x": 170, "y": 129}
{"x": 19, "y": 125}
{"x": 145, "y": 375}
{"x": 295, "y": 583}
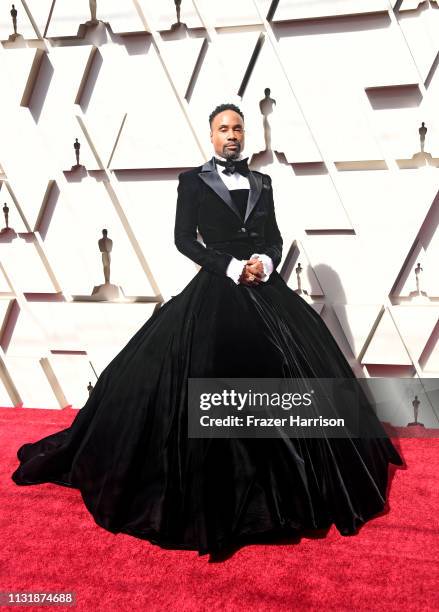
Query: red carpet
{"x": 50, "y": 542}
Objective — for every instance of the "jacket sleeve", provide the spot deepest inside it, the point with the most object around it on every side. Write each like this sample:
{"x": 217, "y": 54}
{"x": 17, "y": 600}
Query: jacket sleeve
{"x": 273, "y": 238}
{"x": 185, "y": 230}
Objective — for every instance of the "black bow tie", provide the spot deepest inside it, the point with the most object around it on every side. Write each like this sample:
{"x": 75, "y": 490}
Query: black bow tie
{"x": 234, "y": 165}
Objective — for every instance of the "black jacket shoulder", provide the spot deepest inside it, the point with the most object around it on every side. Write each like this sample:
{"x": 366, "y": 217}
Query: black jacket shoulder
{"x": 266, "y": 178}
{"x": 191, "y": 173}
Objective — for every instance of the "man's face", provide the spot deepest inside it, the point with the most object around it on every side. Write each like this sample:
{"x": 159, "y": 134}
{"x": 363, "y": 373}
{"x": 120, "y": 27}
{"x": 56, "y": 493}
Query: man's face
{"x": 227, "y": 134}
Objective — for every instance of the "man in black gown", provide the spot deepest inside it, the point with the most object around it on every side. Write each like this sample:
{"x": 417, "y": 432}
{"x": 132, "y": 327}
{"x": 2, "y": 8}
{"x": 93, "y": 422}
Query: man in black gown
{"x": 128, "y": 449}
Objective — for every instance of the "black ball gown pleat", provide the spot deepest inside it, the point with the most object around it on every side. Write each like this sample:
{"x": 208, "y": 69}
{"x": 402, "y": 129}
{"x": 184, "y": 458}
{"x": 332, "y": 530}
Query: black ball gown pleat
{"x": 129, "y": 454}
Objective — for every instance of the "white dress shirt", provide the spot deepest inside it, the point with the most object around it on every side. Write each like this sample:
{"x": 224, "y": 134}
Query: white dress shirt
{"x": 236, "y": 266}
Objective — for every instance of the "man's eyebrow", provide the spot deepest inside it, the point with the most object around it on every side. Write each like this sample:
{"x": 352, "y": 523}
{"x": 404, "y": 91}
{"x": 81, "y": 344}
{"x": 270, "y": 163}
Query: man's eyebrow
{"x": 225, "y": 125}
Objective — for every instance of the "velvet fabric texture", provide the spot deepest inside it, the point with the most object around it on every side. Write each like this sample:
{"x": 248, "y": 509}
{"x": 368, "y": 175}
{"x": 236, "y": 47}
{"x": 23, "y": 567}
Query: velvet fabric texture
{"x": 127, "y": 449}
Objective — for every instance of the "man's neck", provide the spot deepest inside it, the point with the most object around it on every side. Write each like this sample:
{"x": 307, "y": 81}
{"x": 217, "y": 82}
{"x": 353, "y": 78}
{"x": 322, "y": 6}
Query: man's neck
{"x": 226, "y": 158}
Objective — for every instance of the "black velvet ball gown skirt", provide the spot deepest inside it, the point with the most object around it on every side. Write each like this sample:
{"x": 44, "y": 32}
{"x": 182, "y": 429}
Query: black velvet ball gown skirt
{"x": 128, "y": 451}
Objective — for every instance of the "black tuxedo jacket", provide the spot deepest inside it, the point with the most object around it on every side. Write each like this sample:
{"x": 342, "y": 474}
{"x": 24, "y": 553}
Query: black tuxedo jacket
{"x": 204, "y": 203}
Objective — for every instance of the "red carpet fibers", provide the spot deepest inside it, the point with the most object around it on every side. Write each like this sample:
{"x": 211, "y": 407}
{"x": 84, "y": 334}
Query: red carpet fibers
{"x": 50, "y": 542}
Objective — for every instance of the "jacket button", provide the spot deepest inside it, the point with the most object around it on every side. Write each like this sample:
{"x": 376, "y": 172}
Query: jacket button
{"x": 243, "y": 230}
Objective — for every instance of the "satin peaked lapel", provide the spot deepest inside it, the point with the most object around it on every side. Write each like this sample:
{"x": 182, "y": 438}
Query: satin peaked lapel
{"x": 255, "y": 181}
{"x": 211, "y": 178}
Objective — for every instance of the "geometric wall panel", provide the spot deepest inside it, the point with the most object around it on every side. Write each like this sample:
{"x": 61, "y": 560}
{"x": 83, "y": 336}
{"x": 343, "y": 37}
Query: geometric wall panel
{"x": 289, "y": 131}
{"x": 420, "y": 30}
{"x": 5, "y": 305}
{"x": 30, "y": 378}
{"x": 57, "y": 321}
{"x": 66, "y": 17}
{"x": 149, "y": 206}
{"x": 339, "y": 78}
{"x": 387, "y": 214}
{"x": 416, "y": 324}
{"x": 231, "y": 13}
{"x": 297, "y": 268}
{"x": 291, "y": 9}
{"x": 336, "y": 260}
{"x": 102, "y": 98}
{"x": 67, "y": 370}
{"x": 141, "y": 143}
{"x": 357, "y": 322}
{"x": 320, "y": 203}
{"x": 5, "y": 288}
{"x": 40, "y": 11}
{"x": 17, "y": 129}
{"x": 430, "y": 365}
{"x": 5, "y": 399}
{"x": 93, "y": 210}
{"x": 17, "y": 70}
{"x": 104, "y": 329}
{"x": 52, "y": 104}
{"x": 386, "y": 346}
{"x": 24, "y": 266}
{"x": 24, "y": 337}
{"x": 78, "y": 327}
{"x": 63, "y": 236}
{"x": 181, "y": 56}
{"x": 234, "y": 51}
{"x": 122, "y": 21}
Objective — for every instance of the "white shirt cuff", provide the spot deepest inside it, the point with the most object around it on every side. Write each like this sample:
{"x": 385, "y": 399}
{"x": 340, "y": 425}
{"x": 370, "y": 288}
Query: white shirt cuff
{"x": 235, "y": 268}
{"x": 267, "y": 264}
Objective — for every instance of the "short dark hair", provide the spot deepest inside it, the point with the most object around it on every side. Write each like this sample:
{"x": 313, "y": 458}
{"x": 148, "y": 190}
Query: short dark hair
{"x": 223, "y": 107}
